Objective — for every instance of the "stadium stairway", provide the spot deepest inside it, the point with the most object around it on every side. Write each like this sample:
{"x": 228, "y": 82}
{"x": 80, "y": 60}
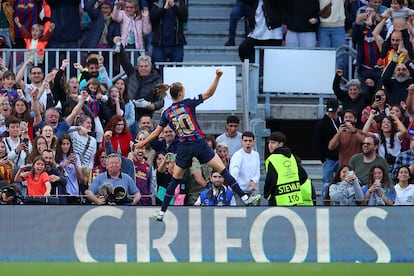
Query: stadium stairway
{"x": 207, "y": 32}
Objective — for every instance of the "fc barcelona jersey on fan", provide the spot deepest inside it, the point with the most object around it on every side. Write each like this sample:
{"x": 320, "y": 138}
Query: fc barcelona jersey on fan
{"x": 181, "y": 117}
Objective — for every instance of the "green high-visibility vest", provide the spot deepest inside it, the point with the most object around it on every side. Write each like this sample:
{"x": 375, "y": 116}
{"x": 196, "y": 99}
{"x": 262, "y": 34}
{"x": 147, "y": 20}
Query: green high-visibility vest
{"x": 306, "y": 190}
{"x": 288, "y": 191}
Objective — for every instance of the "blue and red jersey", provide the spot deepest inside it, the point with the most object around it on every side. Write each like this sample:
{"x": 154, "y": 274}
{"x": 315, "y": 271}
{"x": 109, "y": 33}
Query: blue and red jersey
{"x": 181, "y": 117}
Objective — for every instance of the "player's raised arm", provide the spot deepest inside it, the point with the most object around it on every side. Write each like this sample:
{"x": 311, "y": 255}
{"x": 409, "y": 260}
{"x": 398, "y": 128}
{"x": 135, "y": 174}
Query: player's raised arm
{"x": 151, "y": 137}
{"x": 210, "y": 91}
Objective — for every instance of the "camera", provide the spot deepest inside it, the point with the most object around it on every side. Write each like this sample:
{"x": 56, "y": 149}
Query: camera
{"x": 119, "y": 196}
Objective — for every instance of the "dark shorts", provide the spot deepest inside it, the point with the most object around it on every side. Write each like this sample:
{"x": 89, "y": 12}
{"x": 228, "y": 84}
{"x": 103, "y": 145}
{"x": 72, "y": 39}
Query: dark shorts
{"x": 187, "y": 150}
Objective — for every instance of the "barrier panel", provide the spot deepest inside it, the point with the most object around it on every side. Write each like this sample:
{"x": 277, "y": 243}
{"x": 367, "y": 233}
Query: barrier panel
{"x": 221, "y": 234}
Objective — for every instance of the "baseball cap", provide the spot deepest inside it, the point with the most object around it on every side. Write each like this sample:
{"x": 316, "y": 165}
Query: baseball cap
{"x": 332, "y": 105}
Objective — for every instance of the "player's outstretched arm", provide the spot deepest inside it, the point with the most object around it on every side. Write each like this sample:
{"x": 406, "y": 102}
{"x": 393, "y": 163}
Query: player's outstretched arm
{"x": 151, "y": 137}
{"x": 210, "y": 91}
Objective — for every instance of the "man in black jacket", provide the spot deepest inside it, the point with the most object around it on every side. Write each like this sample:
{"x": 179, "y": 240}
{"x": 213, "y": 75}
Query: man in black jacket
{"x": 326, "y": 128}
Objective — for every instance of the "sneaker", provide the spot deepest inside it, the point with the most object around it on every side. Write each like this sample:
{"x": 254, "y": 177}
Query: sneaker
{"x": 252, "y": 198}
{"x": 230, "y": 42}
{"x": 158, "y": 216}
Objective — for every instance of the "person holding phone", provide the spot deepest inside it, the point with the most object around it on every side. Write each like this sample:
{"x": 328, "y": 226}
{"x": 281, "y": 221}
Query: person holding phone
{"x": 382, "y": 107}
{"x": 379, "y": 190}
{"x": 344, "y": 189}
{"x": 18, "y": 144}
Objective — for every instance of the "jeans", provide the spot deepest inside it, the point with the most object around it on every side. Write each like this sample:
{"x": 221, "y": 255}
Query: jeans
{"x": 239, "y": 10}
{"x": 329, "y": 169}
{"x": 6, "y": 34}
{"x": 172, "y": 53}
{"x": 333, "y": 37}
{"x": 306, "y": 40}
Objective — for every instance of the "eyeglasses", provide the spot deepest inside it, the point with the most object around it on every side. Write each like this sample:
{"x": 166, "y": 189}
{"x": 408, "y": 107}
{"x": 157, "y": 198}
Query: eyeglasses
{"x": 36, "y": 73}
{"x": 120, "y": 124}
{"x": 368, "y": 144}
{"x": 369, "y": 11}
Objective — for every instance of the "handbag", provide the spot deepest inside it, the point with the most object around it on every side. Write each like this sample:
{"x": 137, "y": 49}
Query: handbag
{"x": 325, "y": 12}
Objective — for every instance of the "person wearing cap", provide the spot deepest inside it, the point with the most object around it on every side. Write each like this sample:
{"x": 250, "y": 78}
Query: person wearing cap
{"x": 351, "y": 98}
{"x": 286, "y": 182}
{"x": 325, "y": 130}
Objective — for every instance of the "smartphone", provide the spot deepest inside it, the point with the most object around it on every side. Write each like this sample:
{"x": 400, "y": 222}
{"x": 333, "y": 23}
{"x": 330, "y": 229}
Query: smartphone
{"x": 170, "y": 157}
{"x": 25, "y": 140}
{"x": 350, "y": 173}
{"x": 377, "y": 98}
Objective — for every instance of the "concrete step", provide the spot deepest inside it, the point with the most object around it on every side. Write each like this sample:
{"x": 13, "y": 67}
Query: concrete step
{"x": 211, "y": 53}
{"x": 209, "y": 11}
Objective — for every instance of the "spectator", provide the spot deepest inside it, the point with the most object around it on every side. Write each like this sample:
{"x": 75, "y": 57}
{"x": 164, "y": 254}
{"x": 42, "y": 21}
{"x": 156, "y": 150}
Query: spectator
{"x": 344, "y": 189}
{"x": 113, "y": 106}
{"x": 191, "y": 139}
{"x": 217, "y": 194}
{"x": 164, "y": 175}
{"x": 404, "y": 191}
{"x": 145, "y": 123}
{"x": 94, "y": 70}
{"x": 363, "y": 162}
{"x": 405, "y": 158}
{"x": 5, "y": 115}
{"x": 397, "y": 46}
{"x": 381, "y": 106}
{"x": 396, "y": 79}
{"x": 39, "y": 145}
{"x": 71, "y": 165}
{"x": 332, "y": 27}
{"x": 245, "y": 166}
{"x": 84, "y": 145}
{"x": 37, "y": 179}
{"x": 134, "y": 23}
{"x": 197, "y": 180}
{"x": 143, "y": 176}
{"x": 66, "y": 16}
{"x": 22, "y": 111}
{"x": 352, "y": 98}
{"x": 150, "y": 153}
{"x": 7, "y": 28}
{"x": 57, "y": 178}
{"x": 379, "y": 190}
{"x": 37, "y": 39}
{"x": 222, "y": 151}
{"x": 168, "y": 143}
{"x": 232, "y": 137}
{"x": 283, "y": 183}
{"x": 325, "y": 130}
{"x": 347, "y": 139}
{"x": 265, "y": 23}
{"x": 114, "y": 176}
{"x": 390, "y": 137}
{"x": 99, "y": 165}
{"x": 121, "y": 137}
{"x": 67, "y": 92}
{"x": 104, "y": 28}
{"x": 18, "y": 144}
{"x": 9, "y": 81}
{"x": 367, "y": 49}
{"x": 28, "y": 12}
{"x": 168, "y": 30}
{"x": 52, "y": 115}
{"x": 48, "y": 132}
{"x": 6, "y": 166}
{"x": 241, "y": 8}
{"x": 140, "y": 85}
{"x": 127, "y": 165}
{"x": 302, "y": 23}
{"x": 129, "y": 113}
{"x": 35, "y": 81}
